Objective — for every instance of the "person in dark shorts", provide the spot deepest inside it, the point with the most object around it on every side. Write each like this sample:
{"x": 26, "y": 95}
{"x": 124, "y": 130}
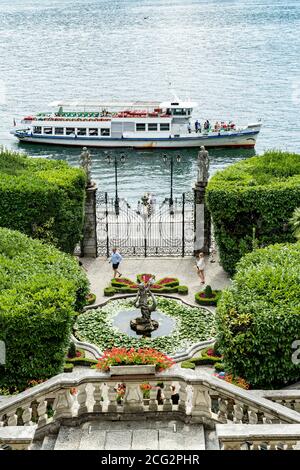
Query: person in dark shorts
{"x": 115, "y": 260}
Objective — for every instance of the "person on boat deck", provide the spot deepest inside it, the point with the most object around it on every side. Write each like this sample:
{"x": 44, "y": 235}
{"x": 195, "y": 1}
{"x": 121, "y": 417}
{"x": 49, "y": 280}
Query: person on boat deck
{"x": 217, "y": 126}
{"x": 189, "y": 128}
{"x": 206, "y": 125}
{"x": 197, "y": 126}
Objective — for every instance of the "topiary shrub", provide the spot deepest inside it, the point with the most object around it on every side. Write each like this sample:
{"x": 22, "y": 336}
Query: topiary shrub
{"x": 251, "y": 203}
{"x": 201, "y": 299}
{"x": 82, "y": 361}
{"x": 109, "y": 291}
{"x": 208, "y": 292}
{"x": 90, "y": 298}
{"x": 40, "y": 289}
{"x": 183, "y": 290}
{"x": 219, "y": 366}
{"x": 258, "y": 317}
{"x": 72, "y": 350}
{"x": 42, "y": 198}
{"x": 68, "y": 367}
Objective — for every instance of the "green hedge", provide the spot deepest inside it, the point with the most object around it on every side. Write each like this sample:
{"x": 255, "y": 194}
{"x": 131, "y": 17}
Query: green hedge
{"x": 81, "y": 361}
{"x": 258, "y": 317}
{"x": 40, "y": 290}
{"x": 42, "y": 198}
{"x": 208, "y": 301}
{"x": 188, "y": 365}
{"x": 251, "y": 203}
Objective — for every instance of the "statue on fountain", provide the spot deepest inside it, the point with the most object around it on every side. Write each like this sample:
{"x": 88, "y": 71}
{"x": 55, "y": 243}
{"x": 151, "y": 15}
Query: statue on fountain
{"x": 144, "y": 325}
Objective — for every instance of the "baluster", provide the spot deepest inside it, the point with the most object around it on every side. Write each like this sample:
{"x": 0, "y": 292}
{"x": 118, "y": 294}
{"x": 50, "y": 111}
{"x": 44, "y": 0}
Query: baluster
{"x": 112, "y": 397}
{"x": 82, "y": 400}
{"x": 182, "y": 397}
{"x": 12, "y": 418}
{"x": 201, "y": 403}
{"x": 27, "y": 415}
{"x": 290, "y": 445}
{"x": 238, "y": 413}
{"x": 97, "y": 408}
{"x": 256, "y": 445}
{"x": 267, "y": 419}
{"x": 168, "y": 405}
{"x": 133, "y": 398}
{"x": 42, "y": 413}
{"x": 63, "y": 404}
{"x": 252, "y": 417}
{"x": 153, "y": 406}
{"x": 222, "y": 413}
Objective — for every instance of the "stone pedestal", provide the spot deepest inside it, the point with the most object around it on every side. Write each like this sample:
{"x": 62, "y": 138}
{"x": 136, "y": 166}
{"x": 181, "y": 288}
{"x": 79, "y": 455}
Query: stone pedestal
{"x": 89, "y": 242}
{"x": 202, "y": 220}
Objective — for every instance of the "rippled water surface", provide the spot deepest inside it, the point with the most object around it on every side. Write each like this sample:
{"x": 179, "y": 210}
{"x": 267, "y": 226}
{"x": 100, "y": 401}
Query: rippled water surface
{"x": 238, "y": 59}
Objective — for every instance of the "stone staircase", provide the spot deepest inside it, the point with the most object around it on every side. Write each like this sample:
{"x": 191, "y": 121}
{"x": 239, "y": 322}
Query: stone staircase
{"x": 133, "y": 435}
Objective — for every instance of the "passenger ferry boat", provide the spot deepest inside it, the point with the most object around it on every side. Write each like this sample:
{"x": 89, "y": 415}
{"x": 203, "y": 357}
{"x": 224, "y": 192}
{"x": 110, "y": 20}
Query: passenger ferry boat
{"x": 139, "y": 124}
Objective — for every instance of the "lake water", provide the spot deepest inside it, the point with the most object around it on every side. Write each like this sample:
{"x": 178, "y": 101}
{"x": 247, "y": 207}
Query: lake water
{"x": 238, "y": 59}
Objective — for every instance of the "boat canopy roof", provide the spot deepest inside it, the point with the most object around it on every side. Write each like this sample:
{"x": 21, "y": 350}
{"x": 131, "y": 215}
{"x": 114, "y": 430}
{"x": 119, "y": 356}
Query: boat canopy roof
{"x": 125, "y": 104}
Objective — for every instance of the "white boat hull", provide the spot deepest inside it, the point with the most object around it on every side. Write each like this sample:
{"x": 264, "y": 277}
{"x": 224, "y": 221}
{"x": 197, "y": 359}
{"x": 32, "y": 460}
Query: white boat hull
{"x": 243, "y": 139}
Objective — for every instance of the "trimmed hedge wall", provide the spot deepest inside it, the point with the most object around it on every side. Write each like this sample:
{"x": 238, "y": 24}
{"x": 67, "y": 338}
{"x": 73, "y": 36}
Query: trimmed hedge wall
{"x": 258, "y": 317}
{"x": 40, "y": 290}
{"x": 251, "y": 203}
{"x": 42, "y": 198}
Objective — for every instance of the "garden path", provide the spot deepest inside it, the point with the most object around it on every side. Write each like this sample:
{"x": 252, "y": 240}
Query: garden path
{"x": 99, "y": 272}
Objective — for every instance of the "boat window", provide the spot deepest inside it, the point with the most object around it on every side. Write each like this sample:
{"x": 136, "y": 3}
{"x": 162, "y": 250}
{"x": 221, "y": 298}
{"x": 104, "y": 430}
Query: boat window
{"x": 81, "y": 131}
{"x": 179, "y": 112}
{"x": 48, "y": 130}
{"x": 59, "y": 131}
{"x": 93, "y": 132}
{"x": 105, "y": 132}
{"x": 140, "y": 127}
{"x": 37, "y": 130}
{"x": 152, "y": 127}
{"x": 70, "y": 130}
{"x": 165, "y": 127}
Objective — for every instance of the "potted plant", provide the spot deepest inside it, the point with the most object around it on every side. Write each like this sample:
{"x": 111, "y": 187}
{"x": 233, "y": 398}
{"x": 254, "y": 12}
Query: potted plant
{"x": 122, "y": 361}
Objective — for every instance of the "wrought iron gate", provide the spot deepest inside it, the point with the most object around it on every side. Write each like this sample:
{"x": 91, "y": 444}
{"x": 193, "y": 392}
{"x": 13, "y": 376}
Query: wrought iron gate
{"x": 146, "y": 230}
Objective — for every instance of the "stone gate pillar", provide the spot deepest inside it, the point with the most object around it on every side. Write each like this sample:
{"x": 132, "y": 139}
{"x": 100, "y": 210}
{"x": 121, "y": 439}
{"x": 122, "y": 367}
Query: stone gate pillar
{"x": 89, "y": 243}
{"x": 202, "y": 220}
{"x": 202, "y": 215}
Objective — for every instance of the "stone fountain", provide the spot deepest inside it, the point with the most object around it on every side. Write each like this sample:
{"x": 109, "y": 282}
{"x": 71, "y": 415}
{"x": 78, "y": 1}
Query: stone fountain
{"x": 144, "y": 325}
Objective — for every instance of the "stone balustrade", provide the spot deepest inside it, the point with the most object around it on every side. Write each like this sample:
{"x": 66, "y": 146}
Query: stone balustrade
{"x": 258, "y": 437}
{"x": 287, "y": 397}
{"x": 202, "y": 399}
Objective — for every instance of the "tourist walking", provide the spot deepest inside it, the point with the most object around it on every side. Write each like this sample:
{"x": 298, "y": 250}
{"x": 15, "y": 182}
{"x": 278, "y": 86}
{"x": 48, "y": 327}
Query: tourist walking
{"x": 200, "y": 267}
{"x": 115, "y": 260}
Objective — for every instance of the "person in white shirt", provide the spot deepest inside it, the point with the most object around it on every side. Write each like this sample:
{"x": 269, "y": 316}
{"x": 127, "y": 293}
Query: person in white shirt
{"x": 200, "y": 267}
{"x": 115, "y": 260}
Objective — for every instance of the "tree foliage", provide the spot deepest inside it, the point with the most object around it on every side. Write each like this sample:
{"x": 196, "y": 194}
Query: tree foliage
{"x": 251, "y": 203}
{"x": 41, "y": 288}
{"x": 42, "y": 198}
{"x": 258, "y": 317}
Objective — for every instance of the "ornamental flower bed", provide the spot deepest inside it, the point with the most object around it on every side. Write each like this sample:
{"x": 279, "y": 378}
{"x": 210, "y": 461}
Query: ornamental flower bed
{"x": 124, "y": 356}
{"x": 238, "y": 381}
{"x": 193, "y": 324}
{"x": 123, "y": 285}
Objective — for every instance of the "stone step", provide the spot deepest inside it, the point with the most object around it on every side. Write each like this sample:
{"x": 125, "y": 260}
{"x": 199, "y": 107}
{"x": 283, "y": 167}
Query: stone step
{"x": 118, "y": 440}
{"x": 188, "y": 438}
{"x": 92, "y": 440}
{"x": 49, "y": 442}
{"x": 68, "y": 438}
